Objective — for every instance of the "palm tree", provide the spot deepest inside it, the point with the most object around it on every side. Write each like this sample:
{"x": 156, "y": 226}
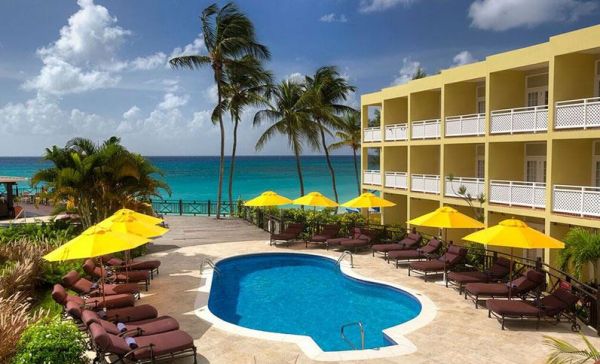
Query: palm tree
{"x": 289, "y": 117}
{"x": 420, "y": 73}
{"x": 349, "y": 133}
{"x": 228, "y": 36}
{"x": 247, "y": 85}
{"x": 566, "y": 353}
{"x": 582, "y": 246}
{"x": 98, "y": 179}
{"x": 326, "y": 91}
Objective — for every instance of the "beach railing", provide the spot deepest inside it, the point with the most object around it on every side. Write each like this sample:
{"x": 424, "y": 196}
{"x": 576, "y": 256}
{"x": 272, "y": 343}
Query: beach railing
{"x": 191, "y": 207}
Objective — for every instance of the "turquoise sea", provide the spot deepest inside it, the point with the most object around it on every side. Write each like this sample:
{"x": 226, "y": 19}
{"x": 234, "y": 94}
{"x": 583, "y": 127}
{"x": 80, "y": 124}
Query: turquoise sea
{"x": 195, "y": 178}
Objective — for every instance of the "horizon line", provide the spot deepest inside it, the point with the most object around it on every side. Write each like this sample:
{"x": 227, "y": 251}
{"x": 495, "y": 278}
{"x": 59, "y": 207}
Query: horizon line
{"x": 203, "y": 155}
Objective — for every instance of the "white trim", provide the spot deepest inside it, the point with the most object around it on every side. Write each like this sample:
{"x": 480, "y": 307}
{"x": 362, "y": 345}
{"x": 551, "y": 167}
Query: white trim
{"x": 307, "y": 344}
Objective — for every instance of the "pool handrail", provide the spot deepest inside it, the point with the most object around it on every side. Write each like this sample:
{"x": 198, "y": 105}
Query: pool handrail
{"x": 210, "y": 263}
{"x": 345, "y": 254}
{"x": 362, "y": 334}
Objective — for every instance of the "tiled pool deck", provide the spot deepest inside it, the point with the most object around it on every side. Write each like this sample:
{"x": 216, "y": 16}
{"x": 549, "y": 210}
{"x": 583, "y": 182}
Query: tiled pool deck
{"x": 458, "y": 334}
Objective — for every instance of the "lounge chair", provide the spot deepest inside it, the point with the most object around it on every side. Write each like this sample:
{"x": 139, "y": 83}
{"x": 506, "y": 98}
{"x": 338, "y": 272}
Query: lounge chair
{"x": 424, "y": 252}
{"x": 150, "y": 326}
{"x": 453, "y": 256}
{"x": 334, "y": 242}
{"x": 329, "y": 231}
{"x": 559, "y": 303}
{"x": 147, "y": 349}
{"x": 118, "y": 263}
{"x": 123, "y": 314}
{"x": 521, "y": 286}
{"x": 135, "y": 276}
{"x": 410, "y": 241}
{"x": 60, "y": 295}
{"x": 75, "y": 282}
{"x": 499, "y": 270}
{"x": 292, "y": 232}
{"x": 364, "y": 240}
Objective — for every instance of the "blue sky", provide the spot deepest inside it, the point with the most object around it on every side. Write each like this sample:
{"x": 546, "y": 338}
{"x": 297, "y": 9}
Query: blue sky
{"x": 98, "y": 68}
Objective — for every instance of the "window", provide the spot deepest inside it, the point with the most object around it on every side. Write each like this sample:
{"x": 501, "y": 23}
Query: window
{"x": 537, "y": 89}
{"x": 480, "y": 99}
{"x": 597, "y": 82}
{"x": 535, "y": 162}
{"x": 480, "y": 161}
{"x": 532, "y": 98}
{"x": 597, "y": 170}
{"x": 481, "y": 167}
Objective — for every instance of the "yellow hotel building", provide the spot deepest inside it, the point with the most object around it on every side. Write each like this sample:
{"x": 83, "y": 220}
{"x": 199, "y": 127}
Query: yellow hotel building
{"x": 521, "y": 127}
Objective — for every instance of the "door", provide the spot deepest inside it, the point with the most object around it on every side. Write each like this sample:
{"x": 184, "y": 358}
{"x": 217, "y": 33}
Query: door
{"x": 596, "y": 171}
{"x": 535, "y": 169}
{"x": 480, "y": 166}
{"x": 480, "y": 102}
{"x": 597, "y": 80}
{"x": 537, "y": 96}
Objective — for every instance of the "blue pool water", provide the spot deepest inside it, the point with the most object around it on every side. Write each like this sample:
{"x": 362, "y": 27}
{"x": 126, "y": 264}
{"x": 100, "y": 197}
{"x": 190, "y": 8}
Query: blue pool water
{"x": 306, "y": 295}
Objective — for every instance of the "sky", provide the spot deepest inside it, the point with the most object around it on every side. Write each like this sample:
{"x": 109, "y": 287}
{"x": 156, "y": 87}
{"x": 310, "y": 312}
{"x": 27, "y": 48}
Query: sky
{"x": 97, "y": 68}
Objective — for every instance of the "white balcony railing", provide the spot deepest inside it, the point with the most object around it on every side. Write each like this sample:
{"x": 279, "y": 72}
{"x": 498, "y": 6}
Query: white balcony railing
{"x": 578, "y": 200}
{"x": 474, "y": 186}
{"x": 373, "y": 134}
{"x": 577, "y": 114}
{"x": 426, "y": 129}
{"x": 396, "y": 132}
{"x": 372, "y": 177}
{"x": 425, "y": 183}
{"x": 531, "y": 194}
{"x": 464, "y": 125}
{"x": 520, "y": 120}
{"x": 396, "y": 180}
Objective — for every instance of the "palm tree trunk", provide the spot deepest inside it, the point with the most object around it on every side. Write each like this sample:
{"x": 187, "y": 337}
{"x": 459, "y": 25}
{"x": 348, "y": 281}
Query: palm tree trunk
{"x": 222, "y": 155}
{"x": 329, "y": 165}
{"x": 232, "y": 164}
{"x": 356, "y": 170}
{"x": 299, "y": 169}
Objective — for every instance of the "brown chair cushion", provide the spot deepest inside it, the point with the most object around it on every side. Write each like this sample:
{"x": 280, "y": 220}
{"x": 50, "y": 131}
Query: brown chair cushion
{"x": 405, "y": 254}
{"x": 487, "y": 289}
{"x": 512, "y": 308}
{"x": 468, "y": 277}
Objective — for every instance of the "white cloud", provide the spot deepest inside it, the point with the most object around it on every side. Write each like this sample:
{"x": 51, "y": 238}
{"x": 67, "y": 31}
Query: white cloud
{"x": 295, "y": 77}
{"x": 502, "y": 15}
{"x": 196, "y": 47}
{"x": 333, "y": 18}
{"x": 149, "y": 62}
{"x": 462, "y": 58}
{"x": 172, "y": 101}
{"x": 83, "y": 57}
{"x": 212, "y": 94}
{"x": 406, "y": 73}
{"x": 372, "y": 6}
{"x": 132, "y": 114}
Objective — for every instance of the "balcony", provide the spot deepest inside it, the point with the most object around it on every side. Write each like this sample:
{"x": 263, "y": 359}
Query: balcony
{"x": 578, "y": 114}
{"x": 427, "y": 183}
{"x": 372, "y": 177}
{"x": 426, "y": 129}
{"x": 465, "y": 125}
{"x": 396, "y": 180}
{"x": 373, "y": 134}
{"x": 576, "y": 200}
{"x": 520, "y": 120}
{"x": 513, "y": 193}
{"x": 474, "y": 186}
{"x": 396, "y": 132}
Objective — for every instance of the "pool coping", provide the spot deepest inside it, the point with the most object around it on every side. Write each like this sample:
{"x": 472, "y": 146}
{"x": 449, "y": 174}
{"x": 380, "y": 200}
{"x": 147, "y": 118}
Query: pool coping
{"x": 307, "y": 344}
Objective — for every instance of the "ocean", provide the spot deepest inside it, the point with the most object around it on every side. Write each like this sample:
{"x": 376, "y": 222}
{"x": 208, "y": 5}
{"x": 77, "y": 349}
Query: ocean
{"x": 195, "y": 178}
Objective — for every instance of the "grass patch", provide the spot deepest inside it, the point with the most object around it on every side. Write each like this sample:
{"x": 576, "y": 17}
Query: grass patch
{"x": 46, "y": 303}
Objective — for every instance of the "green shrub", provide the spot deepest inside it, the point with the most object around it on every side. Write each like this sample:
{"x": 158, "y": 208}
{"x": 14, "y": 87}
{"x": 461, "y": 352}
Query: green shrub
{"x": 54, "y": 233}
{"x": 51, "y": 341}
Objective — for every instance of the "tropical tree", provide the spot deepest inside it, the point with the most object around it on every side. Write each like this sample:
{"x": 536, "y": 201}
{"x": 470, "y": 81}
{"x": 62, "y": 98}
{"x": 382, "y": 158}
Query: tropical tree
{"x": 289, "y": 116}
{"x": 582, "y": 247}
{"x": 349, "y": 133}
{"x": 98, "y": 179}
{"x": 564, "y": 352}
{"x": 325, "y": 93}
{"x": 248, "y": 84}
{"x": 228, "y": 36}
{"x": 420, "y": 73}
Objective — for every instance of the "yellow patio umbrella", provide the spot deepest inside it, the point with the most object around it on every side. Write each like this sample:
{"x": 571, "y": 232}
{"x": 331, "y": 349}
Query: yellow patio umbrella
{"x": 315, "y": 199}
{"x": 268, "y": 198}
{"x": 447, "y": 218}
{"x": 514, "y": 233}
{"x": 129, "y": 223}
{"x": 139, "y": 216}
{"x": 368, "y": 200}
{"x": 94, "y": 242}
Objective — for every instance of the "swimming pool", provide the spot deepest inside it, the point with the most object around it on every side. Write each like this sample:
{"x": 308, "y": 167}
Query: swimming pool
{"x": 304, "y": 294}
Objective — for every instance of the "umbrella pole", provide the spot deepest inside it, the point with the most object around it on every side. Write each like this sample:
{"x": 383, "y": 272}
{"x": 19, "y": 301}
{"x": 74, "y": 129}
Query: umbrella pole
{"x": 510, "y": 273}
{"x": 102, "y": 284}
